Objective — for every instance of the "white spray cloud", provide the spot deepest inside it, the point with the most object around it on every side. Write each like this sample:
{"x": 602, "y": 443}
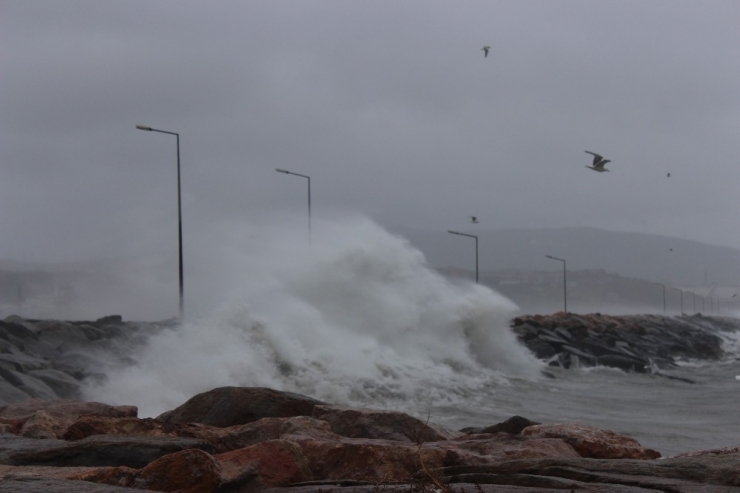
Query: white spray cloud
{"x": 357, "y": 318}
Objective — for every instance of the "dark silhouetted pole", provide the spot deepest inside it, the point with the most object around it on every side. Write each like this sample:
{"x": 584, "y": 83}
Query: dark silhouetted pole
{"x": 680, "y": 291}
{"x": 280, "y": 170}
{"x": 179, "y": 207}
{"x": 659, "y": 284}
{"x": 693, "y": 298}
{"x": 476, "y": 250}
{"x": 565, "y": 283}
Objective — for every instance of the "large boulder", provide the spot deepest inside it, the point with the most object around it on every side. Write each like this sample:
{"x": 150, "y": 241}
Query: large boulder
{"x": 513, "y": 426}
{"x": 28, "y": 384}
{"x": 91, "y": 424}
{"x": 593, "y": 442}
{"x": 230, "y": 406}
{"x": 187, "y": 471}
{"x": 265, "y": 429}
{"x": 50, "y": 419}
{"x": 386, "y": 425}
{"x": 97, "y": 451}
{"x": 271, "y": 463}
{"x": 9, "y": 394}
{"x": 63, "y": 384}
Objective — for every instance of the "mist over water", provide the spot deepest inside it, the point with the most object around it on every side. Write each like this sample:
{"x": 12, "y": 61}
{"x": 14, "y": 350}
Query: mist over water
{"x": 356, "y": 318}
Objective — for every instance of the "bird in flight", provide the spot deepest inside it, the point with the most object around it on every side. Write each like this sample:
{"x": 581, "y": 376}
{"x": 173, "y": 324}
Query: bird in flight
{"x": 599, "y": 162}
{"x": 668, "y": 175}
{"x": 474, "y": 219}
{"x": 485, "y": 51}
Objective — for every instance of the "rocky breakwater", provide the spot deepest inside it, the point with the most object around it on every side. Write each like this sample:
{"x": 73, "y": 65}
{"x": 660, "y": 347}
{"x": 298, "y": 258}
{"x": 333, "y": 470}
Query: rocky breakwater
{"x": 640, "y": 343}
{"x": 236, "y": 439}
{"x": 50, "y": 359}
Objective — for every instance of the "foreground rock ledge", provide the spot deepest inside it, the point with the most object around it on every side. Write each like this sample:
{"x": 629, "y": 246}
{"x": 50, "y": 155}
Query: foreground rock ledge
{"x": 267, "y": 440}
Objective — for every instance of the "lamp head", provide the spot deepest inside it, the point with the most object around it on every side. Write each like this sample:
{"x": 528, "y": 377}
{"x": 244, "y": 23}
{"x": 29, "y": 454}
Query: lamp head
{"x": 144, "y": 127}
{"x": 281, "y": 170}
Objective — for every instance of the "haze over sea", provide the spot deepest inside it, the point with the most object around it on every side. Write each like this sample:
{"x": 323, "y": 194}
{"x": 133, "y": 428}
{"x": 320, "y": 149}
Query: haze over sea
{"x": 359, "y": 318}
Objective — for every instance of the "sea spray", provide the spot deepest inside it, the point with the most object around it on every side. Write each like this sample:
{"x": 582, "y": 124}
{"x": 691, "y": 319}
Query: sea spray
{"x": 356, "y": 318}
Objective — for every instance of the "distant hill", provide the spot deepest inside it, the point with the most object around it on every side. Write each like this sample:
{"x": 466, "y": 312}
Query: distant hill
{"x": 651, "y": 257}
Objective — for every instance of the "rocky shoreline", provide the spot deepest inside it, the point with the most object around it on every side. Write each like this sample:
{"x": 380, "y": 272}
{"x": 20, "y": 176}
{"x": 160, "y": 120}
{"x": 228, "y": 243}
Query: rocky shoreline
{"x": 236, "y": 439}
{"x": 243, "y": 439}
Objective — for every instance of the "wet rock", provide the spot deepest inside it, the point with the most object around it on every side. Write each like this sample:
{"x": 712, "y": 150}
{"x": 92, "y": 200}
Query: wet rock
{"x": 514, "y": 425}
{"x": 593, "y": 442}
{"x": 229, "y": 406}
{"x": 28, "y": 384}
{"x": 16, "y": 326}
{"x": 627, "y": 342}
{"x": 387, "y": 425}
{"x": 9, "y": 394}
{"x": 63, "y": 384}
{"x": 24, "y": 363}
{"x": 626, "y": 363}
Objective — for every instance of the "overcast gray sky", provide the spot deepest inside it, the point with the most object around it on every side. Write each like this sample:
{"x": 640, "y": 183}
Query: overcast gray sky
{"x": 389, "y": 106}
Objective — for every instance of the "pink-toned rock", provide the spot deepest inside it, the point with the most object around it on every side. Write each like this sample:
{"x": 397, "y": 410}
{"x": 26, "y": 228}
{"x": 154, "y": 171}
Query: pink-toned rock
{"x": 365, "y": 459}
{"x": 69, "y": 407}
{"x": 486, "y": 448}
{"x": 236, "y": 437}
{"x": 89, "y": 425}
{"x": 332, "y": 457}
{"x": 41, "y": 424}
{"x": 386, "y": 425}
{"x": 271, "y": 463}
{"x": 592, "y": 442}
{"x": 187, "y": 471}
{"x": 37, "y": 418}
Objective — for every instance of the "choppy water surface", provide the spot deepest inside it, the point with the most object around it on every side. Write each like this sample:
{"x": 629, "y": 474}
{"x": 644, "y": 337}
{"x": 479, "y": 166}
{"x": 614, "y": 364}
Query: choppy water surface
{"x": 363, "y": 321}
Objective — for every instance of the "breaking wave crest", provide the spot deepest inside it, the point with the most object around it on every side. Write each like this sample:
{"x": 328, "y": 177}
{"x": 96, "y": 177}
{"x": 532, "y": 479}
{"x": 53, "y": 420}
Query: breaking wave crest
{"x": 356, "y": 318}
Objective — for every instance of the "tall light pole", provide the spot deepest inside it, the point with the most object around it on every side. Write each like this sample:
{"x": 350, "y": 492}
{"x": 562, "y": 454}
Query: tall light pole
{"x": 179, "y": 207}
{"x": 693, "y": 297}
{"x": 659, "y": 284}
{"x": 280, "y": 170}
{"x": 680, "y": 291}
{"x": 565, "y": 284}
{"x": 476, "y": 250}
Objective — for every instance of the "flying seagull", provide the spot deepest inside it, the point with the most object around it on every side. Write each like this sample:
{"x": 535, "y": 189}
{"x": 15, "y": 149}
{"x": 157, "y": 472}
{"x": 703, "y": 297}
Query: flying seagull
{"x": 474, "y": 219}
{"x": 599, "y": 162}
{"x": 485, "y": 51}
{"x": 668, "y": 175}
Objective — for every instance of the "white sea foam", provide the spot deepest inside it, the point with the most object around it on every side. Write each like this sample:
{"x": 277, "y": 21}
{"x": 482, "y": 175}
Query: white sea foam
{"x": 356, "y": 318}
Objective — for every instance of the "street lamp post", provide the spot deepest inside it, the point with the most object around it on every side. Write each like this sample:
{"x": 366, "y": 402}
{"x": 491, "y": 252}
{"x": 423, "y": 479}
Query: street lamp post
{"x": 680, "y": 291}
{"x": 659, "y": 284}
{"x": 179, "y": 207}
{"x": 565, "y": 284}
{"x": 693, "y": 298}
{"x": 476, "y": 250}
{"x": 280, "y": 170}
